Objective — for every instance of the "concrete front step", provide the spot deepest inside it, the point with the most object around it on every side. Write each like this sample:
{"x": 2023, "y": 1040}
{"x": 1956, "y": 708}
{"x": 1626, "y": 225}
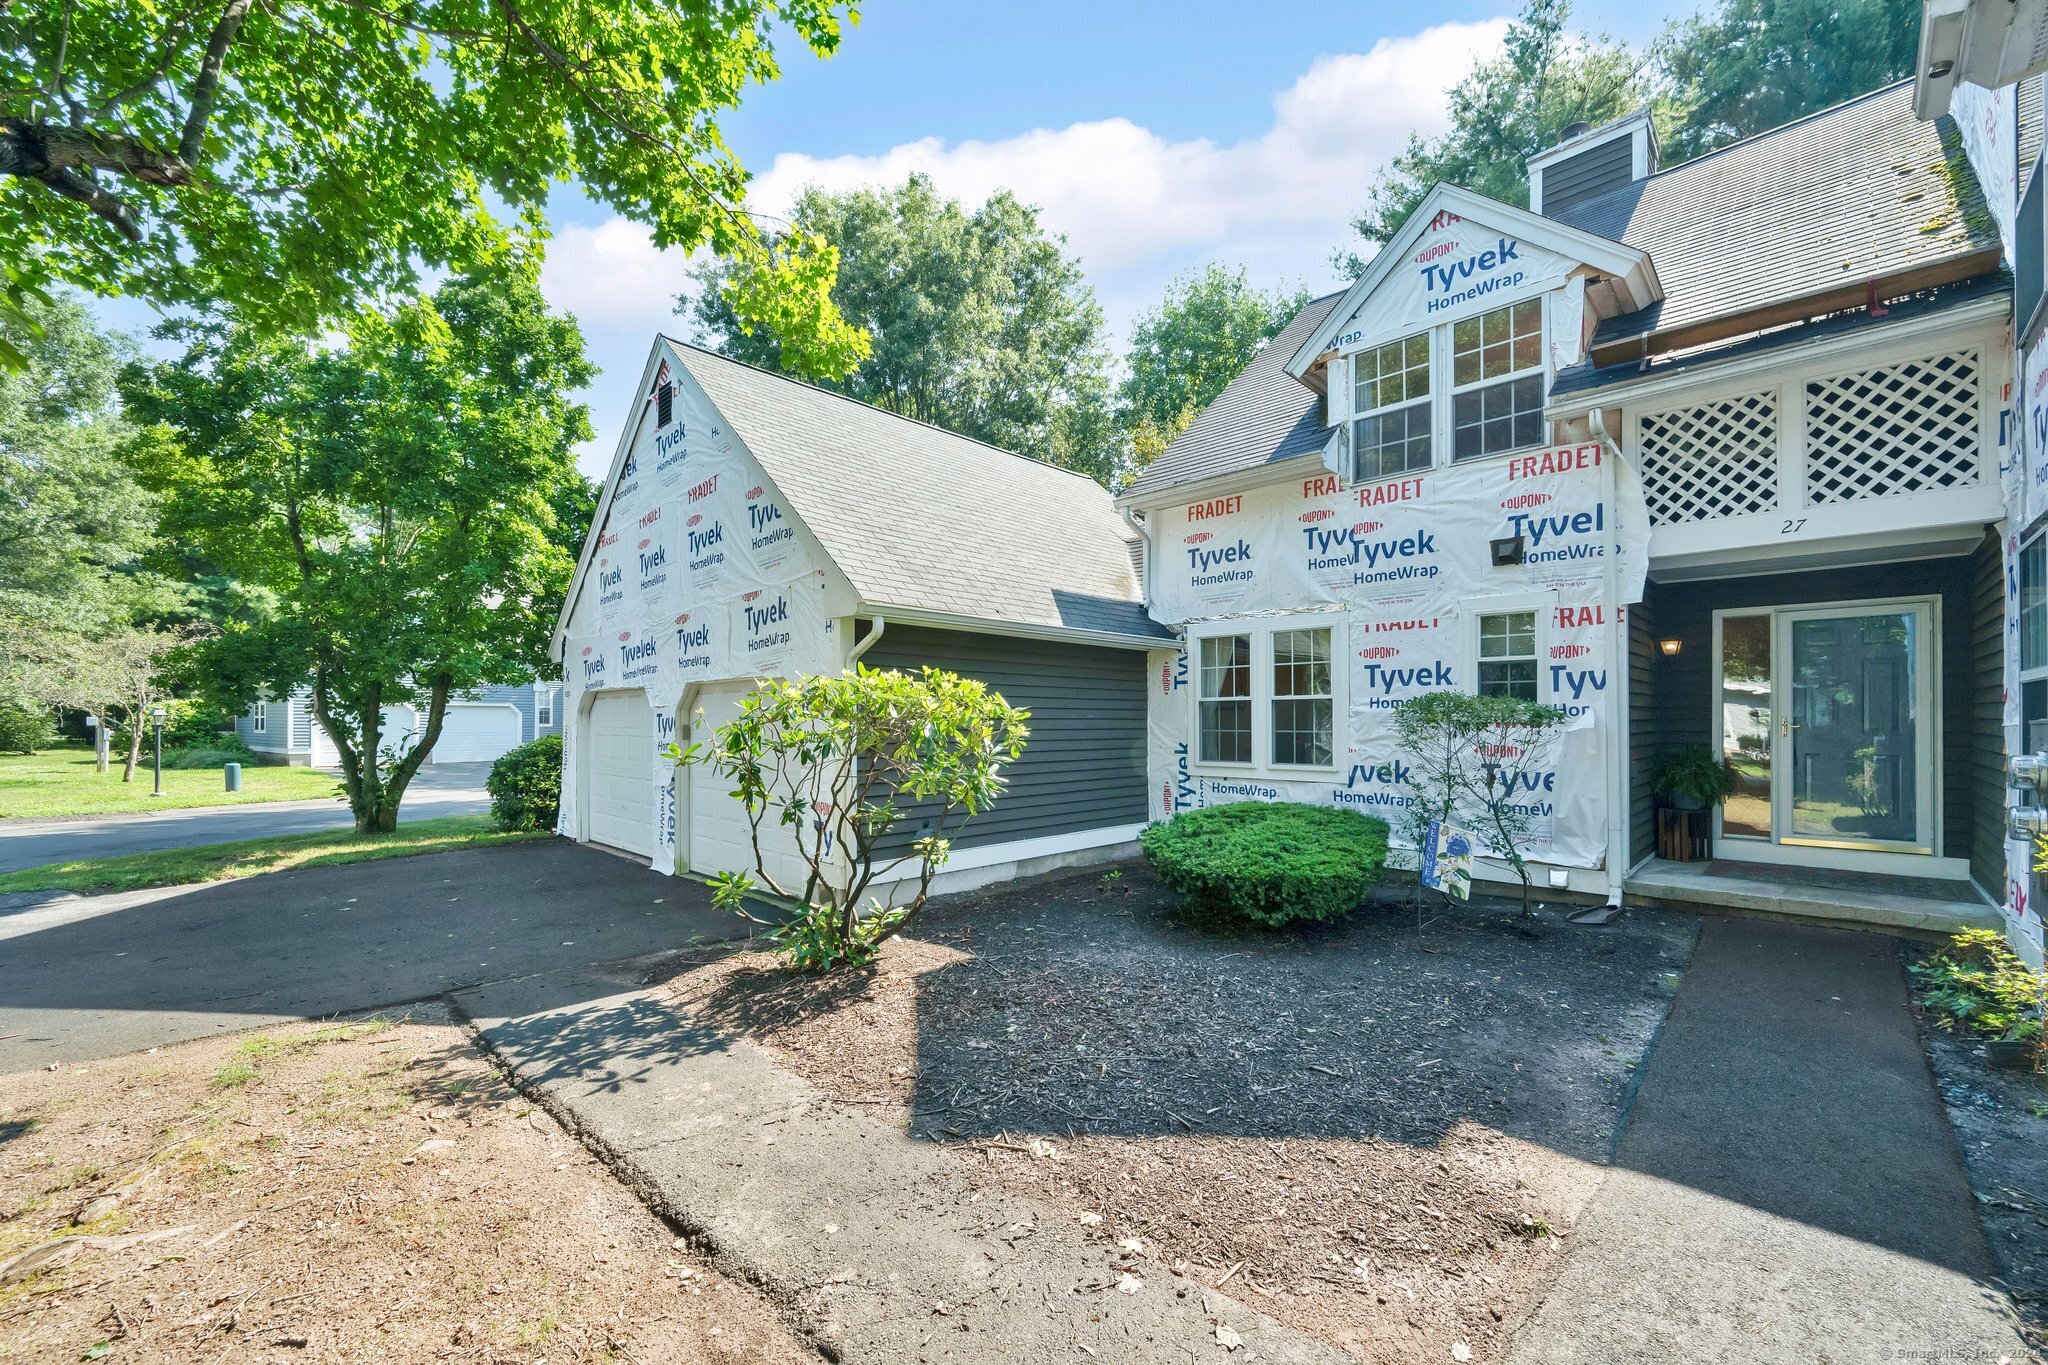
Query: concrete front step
{"x": 1691, "y": 886}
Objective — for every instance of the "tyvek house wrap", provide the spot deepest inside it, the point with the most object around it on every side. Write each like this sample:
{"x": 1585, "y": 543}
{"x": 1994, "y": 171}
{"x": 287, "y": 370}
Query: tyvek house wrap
{"x": 701, "y": 574}
{"x": 1396, "y": 568}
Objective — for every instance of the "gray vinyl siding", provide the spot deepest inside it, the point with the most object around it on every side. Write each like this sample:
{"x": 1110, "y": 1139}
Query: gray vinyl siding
{"x": 271, "y": 740}
{"x": 302, "y": 724}
{"x": 1083, "y": 767}
{"x": 521, "y": 697}
{"x": 1588, "y": 174}
{"x": 1674, "y": 705}
{"x": 1643, "y": 738}
{"x": 1987, "y": 719}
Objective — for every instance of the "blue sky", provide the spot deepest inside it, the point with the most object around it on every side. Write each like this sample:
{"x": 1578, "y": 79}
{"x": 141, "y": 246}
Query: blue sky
{"x": 1155, "y": 136}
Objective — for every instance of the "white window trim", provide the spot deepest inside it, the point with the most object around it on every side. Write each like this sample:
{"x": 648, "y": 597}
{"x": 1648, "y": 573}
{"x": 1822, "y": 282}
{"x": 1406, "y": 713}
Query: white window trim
{"x": 259, "y": 718}
{"x": 1429, "y": 400}
{"x": 2039, "y": 672}
{"x": 1541, "y": 370}
{"x": 1261, "y": 631}
{"x": 1443, "y": 428}
{"x": 1543, "y": 603}
{"x": 543, "y": 706}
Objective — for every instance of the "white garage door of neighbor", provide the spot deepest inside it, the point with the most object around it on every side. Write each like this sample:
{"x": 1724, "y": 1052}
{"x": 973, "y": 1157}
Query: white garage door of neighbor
{"x": 476, "y": 732}
{"x": 618, "y": 771}
{"x": 720, "y": 840}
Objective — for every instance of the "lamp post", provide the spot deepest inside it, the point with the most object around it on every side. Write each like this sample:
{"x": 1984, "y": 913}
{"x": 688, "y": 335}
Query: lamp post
{"x": 156, "y": 714}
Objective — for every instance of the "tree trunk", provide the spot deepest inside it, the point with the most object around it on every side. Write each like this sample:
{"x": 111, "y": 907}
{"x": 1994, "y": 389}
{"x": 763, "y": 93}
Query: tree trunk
{"x": 134, "y": 750}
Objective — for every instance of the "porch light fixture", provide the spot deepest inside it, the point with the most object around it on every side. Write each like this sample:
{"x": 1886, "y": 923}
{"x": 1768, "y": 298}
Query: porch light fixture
{"x": 1506, "y": 551}
{"x": 1670, "y": 646}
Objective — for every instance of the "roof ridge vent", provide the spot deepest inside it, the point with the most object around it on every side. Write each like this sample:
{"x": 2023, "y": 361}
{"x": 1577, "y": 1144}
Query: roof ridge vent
{"x": 1587, "y": 161}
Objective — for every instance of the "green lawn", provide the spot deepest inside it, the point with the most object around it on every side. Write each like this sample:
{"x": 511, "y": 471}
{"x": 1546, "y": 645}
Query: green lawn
{"x": 61, "y": 781}
{"x": 250, "y": 857}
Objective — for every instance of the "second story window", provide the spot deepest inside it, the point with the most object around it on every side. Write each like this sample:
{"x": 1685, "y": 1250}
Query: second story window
{"x": 1390, "y": 394}
{"x": 1497, "y": 381}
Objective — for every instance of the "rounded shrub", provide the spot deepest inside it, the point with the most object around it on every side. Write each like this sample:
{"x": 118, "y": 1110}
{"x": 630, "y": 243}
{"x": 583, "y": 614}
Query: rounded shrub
{"x": 228, "y": 749}
{"x": 526, "y": 784}
{"x": 1268, "y": 863}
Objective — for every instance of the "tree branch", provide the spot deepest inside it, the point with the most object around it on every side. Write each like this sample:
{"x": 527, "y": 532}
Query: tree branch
{"x": 207, "y": 85}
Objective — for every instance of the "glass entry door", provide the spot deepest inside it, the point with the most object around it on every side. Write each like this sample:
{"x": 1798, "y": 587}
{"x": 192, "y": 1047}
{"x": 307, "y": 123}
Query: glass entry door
{"x": 1828, "y": 727}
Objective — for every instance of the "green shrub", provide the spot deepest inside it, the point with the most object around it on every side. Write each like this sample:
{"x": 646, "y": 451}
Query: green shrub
{"x": 227, "y": 749}
{"x": 24, "y": 727}
{"x": 1270, "y": 864}
{"x": 1978, "y": 982}
{"x": 526, "y": 785}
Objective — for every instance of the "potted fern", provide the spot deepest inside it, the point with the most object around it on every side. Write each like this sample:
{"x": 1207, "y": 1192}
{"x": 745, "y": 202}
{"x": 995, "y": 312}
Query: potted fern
{"x": 1690, "y": 777}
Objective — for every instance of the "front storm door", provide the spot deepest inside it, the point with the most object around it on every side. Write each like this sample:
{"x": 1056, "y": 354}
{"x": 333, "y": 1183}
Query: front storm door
{"x": 1828, "y": 726}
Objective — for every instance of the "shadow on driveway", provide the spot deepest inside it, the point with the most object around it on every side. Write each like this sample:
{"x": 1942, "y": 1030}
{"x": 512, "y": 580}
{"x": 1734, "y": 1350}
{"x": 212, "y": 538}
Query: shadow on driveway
{"x": 167, "y": 967}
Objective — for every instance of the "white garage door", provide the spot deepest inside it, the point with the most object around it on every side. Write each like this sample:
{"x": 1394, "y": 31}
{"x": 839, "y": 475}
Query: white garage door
{"x": 618, "y": 771}
{"x": 475, "y": 732}
{"x": 719, "y": 838}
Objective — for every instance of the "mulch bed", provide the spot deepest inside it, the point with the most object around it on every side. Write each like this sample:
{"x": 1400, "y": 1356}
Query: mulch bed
{"x": 2001, "y": 1123}
{"x": 1377, "y": 1131}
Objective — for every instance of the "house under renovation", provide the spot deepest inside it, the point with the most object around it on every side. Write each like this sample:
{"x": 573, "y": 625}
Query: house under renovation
{"x": 1704, "y": 455}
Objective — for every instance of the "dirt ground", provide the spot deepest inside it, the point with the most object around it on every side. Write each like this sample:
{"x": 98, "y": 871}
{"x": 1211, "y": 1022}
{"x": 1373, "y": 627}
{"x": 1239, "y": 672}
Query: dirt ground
{"x": 344, "y": 1192}
{"x": 1375, "y": 1134}
{"x": 2001, "y": 1122}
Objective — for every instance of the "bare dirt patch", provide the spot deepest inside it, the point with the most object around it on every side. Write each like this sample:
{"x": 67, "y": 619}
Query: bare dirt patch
{"x": 1377, "y": 1133}
{"x": 369, "y": 1190}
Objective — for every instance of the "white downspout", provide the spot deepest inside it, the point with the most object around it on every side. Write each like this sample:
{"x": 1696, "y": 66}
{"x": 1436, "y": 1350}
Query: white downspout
{"x": 877, "y": 626}
{"x": 1144, "y": 540}
{"x": 1618, "y": 847}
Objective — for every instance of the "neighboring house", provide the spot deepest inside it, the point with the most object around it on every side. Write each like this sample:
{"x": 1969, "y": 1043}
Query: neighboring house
{"x": 1980, "y": 71}
{"x": 477, "y": 728}
{"x": 753, "y": 526}
{"x": 1667, "y": 444}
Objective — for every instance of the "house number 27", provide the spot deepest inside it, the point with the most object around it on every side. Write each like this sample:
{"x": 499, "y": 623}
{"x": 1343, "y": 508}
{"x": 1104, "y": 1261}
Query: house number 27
{"x": 1792, "y": 526}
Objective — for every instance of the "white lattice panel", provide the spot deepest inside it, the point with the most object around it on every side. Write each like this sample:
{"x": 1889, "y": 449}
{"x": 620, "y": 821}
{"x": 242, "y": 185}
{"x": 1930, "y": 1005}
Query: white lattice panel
{"x": 1904, "y": 428}
{"x": 1715, "y": 460}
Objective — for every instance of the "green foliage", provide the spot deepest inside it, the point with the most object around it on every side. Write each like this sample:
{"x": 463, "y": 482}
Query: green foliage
{"x": 1271, "y": 864}
{"x": 1748, "y": 65}
{"x": 215, "y": 755}
{"x": 1206, "y": 328}
{"x": 24, "y": 726}
{"x": 1691, "y": 770}
{"x": 293, "y": 162}
{"x": 980, "y": 322}
{"x": 526, "y": 785}
{"x": 1978, "y": 983}
{"x": 827, "y": 768}
{"x": 1507, "y": 108}
{"x": 1462, "y": 752}
{"x": 390, "y": 510}
{"x": 1740, "y": 68}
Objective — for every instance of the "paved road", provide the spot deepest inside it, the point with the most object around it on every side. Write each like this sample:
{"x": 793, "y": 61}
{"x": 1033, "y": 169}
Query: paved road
{"x": 440, "y": 789}
{"x": 102, "y": 976}
{"x": 1788, "y": 1187}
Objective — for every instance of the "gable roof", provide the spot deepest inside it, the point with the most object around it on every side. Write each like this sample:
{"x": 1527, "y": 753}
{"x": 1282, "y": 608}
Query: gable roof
{"x": 1626, "y": 270}
{"x": 923, "y": 520}
{"x": 1263, "y": 415}
{"x": 1823, "y": 202}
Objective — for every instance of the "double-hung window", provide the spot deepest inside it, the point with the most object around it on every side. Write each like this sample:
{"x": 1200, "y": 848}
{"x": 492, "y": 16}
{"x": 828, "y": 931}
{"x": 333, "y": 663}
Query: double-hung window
{"x": 2034, "y": 645}
{"x": 1304, "y": 704}
{"x": 1266, "y": 698}
{"x": 1225, "y": 699}
{"x": 1507, "y": 655}
{"x": 259, "y": 717}
{"x": 1497, "y": 381}
{"x": 544, "y": 709}
{"x": 1390, "y": 394}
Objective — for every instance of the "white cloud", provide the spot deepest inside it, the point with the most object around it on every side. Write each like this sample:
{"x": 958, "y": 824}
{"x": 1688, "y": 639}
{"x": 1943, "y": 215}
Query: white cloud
{"x": 1135, "y": 206}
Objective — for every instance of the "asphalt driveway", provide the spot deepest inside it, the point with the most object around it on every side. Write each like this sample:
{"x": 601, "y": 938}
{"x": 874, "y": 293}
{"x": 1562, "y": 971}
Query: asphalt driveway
{"x": 440, "y": 789}
{"x": 101, "y": 976}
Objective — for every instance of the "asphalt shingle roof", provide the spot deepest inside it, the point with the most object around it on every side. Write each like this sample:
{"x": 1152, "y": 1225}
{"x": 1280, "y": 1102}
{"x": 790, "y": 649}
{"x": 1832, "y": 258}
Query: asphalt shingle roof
{"x": 922, "y": 519}
{"x": 1263, "y": 415}
{"x": 1858, "y": 190}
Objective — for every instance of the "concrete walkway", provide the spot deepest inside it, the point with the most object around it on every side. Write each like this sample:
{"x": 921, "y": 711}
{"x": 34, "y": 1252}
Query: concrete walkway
{"x": 438, "y": 790}
{"x": 1788, "y": 1187}
{"x": 877, "y": 1239}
